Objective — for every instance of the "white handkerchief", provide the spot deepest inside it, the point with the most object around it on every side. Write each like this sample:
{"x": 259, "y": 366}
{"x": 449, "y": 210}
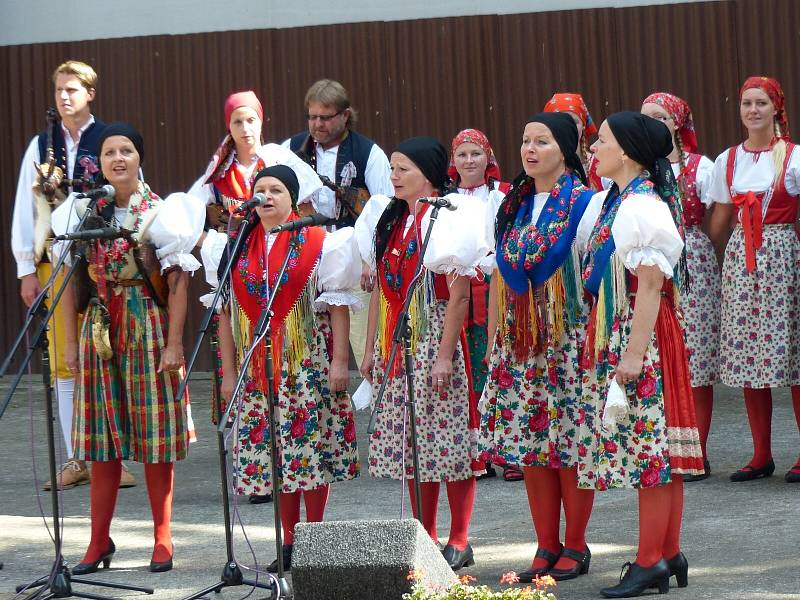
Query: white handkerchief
{"x": 363, "y": 395}
{"x": 616, "y": 404}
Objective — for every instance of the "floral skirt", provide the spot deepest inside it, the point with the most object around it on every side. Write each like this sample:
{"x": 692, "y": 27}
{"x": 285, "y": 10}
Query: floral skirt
{"x": 701, "y": 308}
{"x": 760, "y": 333}
{"x": 124, "y": 408}
{"x": 658, "y": 436}
{"x": 446, "y": 444}
{"x": 317, "y": 441}
{"x": 531, "y": 415}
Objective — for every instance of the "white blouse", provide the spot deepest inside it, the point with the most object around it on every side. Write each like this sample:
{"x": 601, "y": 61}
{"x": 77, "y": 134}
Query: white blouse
{"x": 365, "y": 226}
{"x": 750, "y": 175}
{"x": 172, "y": 225}
{"x": 705, "y": 173}
{"x": 338, "y": 271}
{"x": 643, "y": 231}
{"x": 271, "y": 154}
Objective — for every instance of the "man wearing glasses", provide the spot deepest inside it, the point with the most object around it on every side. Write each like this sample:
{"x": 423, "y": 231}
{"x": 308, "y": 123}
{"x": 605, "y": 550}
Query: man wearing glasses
{"x": 353, "y": 163}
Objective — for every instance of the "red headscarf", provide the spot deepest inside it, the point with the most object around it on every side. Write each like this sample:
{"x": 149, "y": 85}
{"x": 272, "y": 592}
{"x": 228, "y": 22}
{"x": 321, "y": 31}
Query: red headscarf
{"x": 569, "y": 102}
{"x": 681, "y": 115}
{"x": 773, "y": 89}
{"x": 247, "y": 98}
{"x": 478, "y": 138}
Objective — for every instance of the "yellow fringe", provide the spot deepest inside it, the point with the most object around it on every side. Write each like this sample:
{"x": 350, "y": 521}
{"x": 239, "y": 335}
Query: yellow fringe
{"x": 619, "y": 287}
{"x": 418, "y": 316}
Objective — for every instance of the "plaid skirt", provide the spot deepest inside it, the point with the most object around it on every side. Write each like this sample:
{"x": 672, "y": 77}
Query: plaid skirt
{"x": 124, "y": 408}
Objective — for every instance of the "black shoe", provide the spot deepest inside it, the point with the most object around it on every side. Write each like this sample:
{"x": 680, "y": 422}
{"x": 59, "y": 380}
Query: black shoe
{"x": 161, "y": 567}
{"x": 637, "y": 579}
{"x": 490, "y": 472}
{"x": 748, "y": 473}
{"x": 458, "y": 559}
{"x": 260, "y": 498}
{"x": 86, "y": 568}
{"x": 679, "y": 567}
{"x": 793, "y": 475}
{"x": 705, "y": 475}
{"x": 528, "y": 575}
{"x": 286, "y": 555}
{"x": 581, "y": 567}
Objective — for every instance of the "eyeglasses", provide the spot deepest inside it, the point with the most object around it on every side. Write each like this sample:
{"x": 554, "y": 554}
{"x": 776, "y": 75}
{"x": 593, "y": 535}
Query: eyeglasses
{"x": 323, "y": 118}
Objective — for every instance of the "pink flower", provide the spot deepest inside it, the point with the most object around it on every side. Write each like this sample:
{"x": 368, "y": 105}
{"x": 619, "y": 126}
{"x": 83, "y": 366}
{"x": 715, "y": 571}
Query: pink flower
{"x": 250, "y": 469}
{"x": 507, "y": 414}
{"x": 509, "y": 578}
{"x": 350, "y": 431}
{"x": 257, "y": 434}
{"x": 610, "y": 446}
{"x": 639, "y": 426}
{"x": 530, "y": 373}
{"x": 650, "y": 477}
{"x": 505, "y": 379}
{"x": 294, "y": 465}
{"x": 540, "y": 421}
{"x": 581, "y": 450}
{"x": 646, "y": 387}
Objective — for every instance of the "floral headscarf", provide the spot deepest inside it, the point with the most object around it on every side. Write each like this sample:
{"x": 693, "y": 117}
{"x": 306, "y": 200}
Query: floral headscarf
{"x": 478, "y": 138}
{"x": 681, "y": 115}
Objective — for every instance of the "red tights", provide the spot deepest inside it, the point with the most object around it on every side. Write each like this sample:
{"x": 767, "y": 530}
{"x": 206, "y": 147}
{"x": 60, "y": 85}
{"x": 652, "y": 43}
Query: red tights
{"x": 660, "y": 517}
{"x": 315, "y": 501}
{"x": 547, "y": 489}
{"x": 460, "y": 497}
{"x": 103, "y": 499}
{"x": 703, "y": 407}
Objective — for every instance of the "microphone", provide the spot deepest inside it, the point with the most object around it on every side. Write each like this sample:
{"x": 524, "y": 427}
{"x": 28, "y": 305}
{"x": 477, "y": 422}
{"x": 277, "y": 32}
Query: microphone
{"x": 106, "y": 233}
{"x": 309, "y": 221}
{"x": 258, "y": 199}
{"x": 107, "y": 191}
{"x": 448, "y": 203}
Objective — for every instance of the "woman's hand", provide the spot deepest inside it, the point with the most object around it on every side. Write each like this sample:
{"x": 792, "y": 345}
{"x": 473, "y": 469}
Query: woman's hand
{"x": 226, "y": 387}
{"x": 367, "y": 278}
{"x": 71, "y": 357}
{"x": 629, "y": 368}
{"x": 441, "y": 374}
{"x": 367, "y": 366}
{"x": 339, "y": 376}
{"x": 171, "y": 358}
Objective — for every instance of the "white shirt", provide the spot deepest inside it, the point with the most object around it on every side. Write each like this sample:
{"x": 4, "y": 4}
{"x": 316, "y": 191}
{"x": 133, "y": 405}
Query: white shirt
{"x": 376, "y": 176}
{"x": 705, "y": 173}
{"x": 24, "y": 217}
{"x": 752, "y": 175}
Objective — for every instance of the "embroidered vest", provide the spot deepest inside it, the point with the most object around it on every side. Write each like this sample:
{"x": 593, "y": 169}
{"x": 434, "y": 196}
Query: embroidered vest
{"x": 87, "y": 163}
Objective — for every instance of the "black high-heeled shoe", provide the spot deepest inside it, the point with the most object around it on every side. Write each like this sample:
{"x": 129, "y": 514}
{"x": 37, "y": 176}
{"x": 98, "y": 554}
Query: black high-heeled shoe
{"x": 581, "y": 567}
{"x": 679, "y": 567}
{"x": 286, "y": 556}
{"x": 458, "y": 559}
{"x": 529, "y": 575}
{"x": 637, "y": 579}
{"x": 86, "y": 568}
{"x": 748, "y": 473}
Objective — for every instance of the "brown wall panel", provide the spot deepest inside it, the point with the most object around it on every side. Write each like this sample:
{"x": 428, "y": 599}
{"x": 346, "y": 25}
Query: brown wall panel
{"x": 407, "y": 78}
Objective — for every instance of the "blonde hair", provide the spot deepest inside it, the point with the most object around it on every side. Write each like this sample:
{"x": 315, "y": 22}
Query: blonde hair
{"x": 331, "y": 93}
{"x": 81, "y": 71}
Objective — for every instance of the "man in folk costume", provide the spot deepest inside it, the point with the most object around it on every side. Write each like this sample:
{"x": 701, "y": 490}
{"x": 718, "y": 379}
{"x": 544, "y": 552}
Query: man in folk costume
{"x": 352, "y": 163}
{"x": 59, "y": 159}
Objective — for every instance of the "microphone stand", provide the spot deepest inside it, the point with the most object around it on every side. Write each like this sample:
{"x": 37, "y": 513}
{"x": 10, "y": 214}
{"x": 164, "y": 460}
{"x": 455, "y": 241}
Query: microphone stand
{"x": 58, "y": 583}
{"x": 232, "y": 573}
{"x": 403, "y": 334}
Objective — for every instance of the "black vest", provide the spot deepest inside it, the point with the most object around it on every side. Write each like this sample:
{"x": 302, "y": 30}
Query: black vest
{"x": 355, "y": 148}
{"x": 87, "y": 163}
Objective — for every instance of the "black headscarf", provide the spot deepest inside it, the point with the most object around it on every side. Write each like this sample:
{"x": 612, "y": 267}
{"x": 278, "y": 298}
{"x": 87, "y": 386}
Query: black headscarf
{"x": 565, "y": 132}
{"x": 429, "y": 155}
{"x": 124, "y": 129}
{"x": 285, "y": 175}
{"x": 431, "y": 158}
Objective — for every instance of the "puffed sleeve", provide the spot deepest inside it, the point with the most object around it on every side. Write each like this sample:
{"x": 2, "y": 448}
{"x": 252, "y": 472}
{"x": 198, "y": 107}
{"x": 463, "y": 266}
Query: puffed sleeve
{"x": 310, "y": 183}
{"x": 339, "y": 271}
{"x": 458, "y": 242}
{"x": 792, "y": 177}
{"x": 211, "y": 254}
{"x": 705, "y": 174}
{"x": 175, "y": 230}
{"x": 718, "y": 190}
{"x": 588, "y": 220}
{"x": 365, "y": 227}
{"x": 645, "y": 234}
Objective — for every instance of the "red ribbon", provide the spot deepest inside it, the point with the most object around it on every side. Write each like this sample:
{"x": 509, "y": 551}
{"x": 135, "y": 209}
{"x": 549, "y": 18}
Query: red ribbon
{"x": 753, "y": 225}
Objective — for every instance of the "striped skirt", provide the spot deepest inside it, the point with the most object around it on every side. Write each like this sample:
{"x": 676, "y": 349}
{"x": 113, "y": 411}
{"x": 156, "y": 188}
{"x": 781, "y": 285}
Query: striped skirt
{"x": 124, "y": 408}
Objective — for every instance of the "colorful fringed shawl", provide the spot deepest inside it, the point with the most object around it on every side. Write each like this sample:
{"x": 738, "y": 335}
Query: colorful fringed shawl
{"x": 604, "y": 275}
{"x": 293, "y": 313}
{"x": 539, "y": 265}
